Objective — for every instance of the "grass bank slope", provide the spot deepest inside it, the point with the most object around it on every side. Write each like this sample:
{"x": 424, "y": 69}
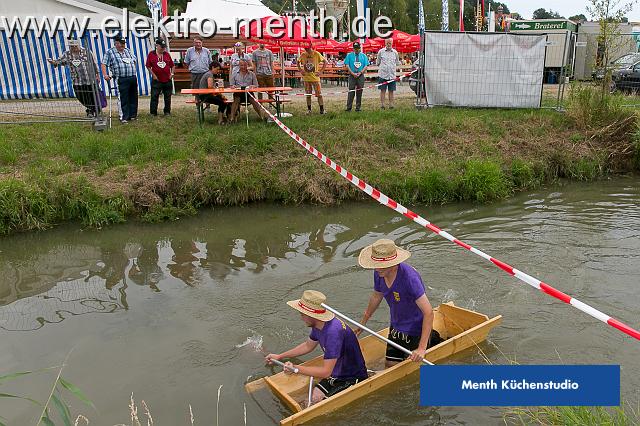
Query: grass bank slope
{"x": 161, "y": 168}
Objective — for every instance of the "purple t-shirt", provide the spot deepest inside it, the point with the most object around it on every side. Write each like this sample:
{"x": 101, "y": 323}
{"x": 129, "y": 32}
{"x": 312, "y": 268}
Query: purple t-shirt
{"x": 340, "y": 342}
{"x": 406, "y": 316}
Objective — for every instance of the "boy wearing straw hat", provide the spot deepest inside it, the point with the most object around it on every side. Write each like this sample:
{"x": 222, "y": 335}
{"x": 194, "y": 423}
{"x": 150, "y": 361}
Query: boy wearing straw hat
{"x": 403, "y": 289}
{"x": 343, "y": 361}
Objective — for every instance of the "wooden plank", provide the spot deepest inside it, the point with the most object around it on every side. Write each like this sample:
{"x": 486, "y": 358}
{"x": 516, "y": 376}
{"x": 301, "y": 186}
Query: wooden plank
{"x": 284, "y": 397}
{"x": 256, "y": 385}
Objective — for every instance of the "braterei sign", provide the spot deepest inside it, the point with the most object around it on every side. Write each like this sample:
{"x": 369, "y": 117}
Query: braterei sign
{"x": 544, "y": 25}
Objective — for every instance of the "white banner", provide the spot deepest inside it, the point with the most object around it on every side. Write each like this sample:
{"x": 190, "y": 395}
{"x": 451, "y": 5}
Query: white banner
{"x": 484, "y": 69}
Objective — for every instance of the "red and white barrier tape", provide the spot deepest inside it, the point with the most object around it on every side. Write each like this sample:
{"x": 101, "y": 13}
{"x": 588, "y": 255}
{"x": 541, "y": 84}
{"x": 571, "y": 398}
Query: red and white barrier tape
{"x": 386, "y": 201}
{"x": 384, "y": 83}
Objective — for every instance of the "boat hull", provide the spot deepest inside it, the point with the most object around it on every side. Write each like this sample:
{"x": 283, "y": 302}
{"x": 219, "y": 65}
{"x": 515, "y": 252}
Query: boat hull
{"x": 462, "y": 329}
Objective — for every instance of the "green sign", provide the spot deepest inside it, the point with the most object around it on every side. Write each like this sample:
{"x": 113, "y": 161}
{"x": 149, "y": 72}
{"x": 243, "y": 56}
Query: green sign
{"x": 542, "y": 25}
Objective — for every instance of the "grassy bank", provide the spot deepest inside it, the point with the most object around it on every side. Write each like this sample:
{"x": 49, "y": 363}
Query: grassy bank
{"x": 575, "y": 416}
{"x": 159, "y": 169}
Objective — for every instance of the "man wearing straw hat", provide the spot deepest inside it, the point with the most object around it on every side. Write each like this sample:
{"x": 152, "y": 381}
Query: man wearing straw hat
{"x": 343, "y": 361}
{"x": 403, "y": 289}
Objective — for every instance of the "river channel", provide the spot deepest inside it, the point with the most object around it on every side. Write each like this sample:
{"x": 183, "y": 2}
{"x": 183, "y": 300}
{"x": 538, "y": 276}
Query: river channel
{"x": 165, "y": 311}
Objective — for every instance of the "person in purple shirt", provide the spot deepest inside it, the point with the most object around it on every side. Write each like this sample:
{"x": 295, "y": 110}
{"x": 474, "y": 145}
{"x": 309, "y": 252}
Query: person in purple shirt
{"x": 343, "y": 364}
{"x": 401, "y": 286}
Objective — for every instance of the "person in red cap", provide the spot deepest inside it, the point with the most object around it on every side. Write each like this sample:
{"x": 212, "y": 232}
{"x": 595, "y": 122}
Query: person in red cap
{"x": 402, "y": 287}
{"x": 343, "y": 364}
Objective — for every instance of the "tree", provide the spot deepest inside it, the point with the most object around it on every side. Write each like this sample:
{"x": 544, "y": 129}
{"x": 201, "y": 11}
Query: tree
{"x": 496, "y": 4}
{"x": 609, "y": 14}
{"x": 543, "y": 14}
{"x": 578, "y": 18}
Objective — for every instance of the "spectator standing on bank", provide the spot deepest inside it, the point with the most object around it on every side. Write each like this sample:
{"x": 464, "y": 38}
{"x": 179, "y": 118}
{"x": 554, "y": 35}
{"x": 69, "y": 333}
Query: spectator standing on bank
{"x": 238, "y": 55}
{"x": 119, "y": 64}
{"x": 197, "y": 59}
{"x": 263, "y": 61}
{"x": 308, "y": 64}
{"x": 356, "y": 63}
{"x": 388, "y": 62}
{"x": 160, "y": 66}
{"x": 84, "y": 74}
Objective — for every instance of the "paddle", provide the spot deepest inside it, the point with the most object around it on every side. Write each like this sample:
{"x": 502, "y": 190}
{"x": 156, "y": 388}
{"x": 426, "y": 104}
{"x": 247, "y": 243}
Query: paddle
{"x": 281, "y": 364}
{"x": 368, "y": 330}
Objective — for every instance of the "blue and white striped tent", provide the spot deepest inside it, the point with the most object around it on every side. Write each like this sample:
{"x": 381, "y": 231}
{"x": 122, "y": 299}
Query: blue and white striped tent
{"x": 26, "y": 74}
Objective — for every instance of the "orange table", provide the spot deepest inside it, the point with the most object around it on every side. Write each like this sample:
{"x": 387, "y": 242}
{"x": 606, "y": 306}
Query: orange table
{"x": 278, "y": 101}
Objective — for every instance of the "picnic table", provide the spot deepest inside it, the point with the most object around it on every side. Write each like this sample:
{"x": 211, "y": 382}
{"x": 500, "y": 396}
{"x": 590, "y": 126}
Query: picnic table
{"x": 277, "y": 101}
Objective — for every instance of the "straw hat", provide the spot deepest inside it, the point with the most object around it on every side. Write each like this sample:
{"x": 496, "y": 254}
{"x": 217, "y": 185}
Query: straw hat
{"x": 311, "y": 304}
{"x": 382, "y": 254}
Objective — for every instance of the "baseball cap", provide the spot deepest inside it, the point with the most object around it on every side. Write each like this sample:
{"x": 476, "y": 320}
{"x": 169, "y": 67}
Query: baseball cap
{"x": 119, "y": 38}
{"x": 74, "y": 42}
{"x": 161, "y": 42}
{"x": 356, "y": 45}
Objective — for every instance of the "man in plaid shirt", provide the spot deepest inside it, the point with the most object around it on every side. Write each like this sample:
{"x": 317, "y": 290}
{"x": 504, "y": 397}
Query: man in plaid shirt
{"x": 84, "y": 74}
{"x": 120, "y": 64}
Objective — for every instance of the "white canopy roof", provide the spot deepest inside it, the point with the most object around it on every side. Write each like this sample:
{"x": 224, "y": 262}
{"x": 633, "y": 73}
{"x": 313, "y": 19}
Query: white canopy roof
{"x": 225, "y": 12}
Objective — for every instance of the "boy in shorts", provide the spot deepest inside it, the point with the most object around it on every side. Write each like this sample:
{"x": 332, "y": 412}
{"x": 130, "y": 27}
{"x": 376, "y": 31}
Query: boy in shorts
{"x": 308, "y": 64}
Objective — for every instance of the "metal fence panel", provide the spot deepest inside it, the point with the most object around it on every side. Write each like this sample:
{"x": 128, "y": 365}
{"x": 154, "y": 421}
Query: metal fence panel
{"x": 32, "y": 90}
{"x": 484, "y": 69}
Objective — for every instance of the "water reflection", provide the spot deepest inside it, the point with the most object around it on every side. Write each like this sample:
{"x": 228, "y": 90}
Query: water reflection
{"x": 46, "y": 277}
{"x": 76, "y": 274}
{"x": 183, "y": 295}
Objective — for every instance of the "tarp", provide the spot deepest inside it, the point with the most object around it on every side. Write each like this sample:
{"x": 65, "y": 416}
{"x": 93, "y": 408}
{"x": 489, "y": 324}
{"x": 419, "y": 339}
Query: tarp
{"x": 26, "y": 74}
{"x": 484, "y": 69}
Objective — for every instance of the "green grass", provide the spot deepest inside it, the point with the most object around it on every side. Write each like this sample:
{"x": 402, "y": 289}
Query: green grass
{"x": 160, "y": 169}
{"x": 575, "y": 416}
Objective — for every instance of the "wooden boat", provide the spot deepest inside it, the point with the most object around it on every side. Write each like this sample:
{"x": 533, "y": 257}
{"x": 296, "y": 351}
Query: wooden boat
{"x": 460, "y": 327}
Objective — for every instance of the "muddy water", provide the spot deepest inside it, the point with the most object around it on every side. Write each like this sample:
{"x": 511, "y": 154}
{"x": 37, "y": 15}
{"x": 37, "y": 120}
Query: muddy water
{"x": 163, "y": 310}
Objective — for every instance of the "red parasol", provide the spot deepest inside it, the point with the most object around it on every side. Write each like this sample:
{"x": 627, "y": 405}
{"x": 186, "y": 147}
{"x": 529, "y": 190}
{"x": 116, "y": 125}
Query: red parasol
{"x": 408, "y": 45}
{"x": 330, "y": 47}
{"x": 275, "y": 30}
{"x": 369, "y": 45}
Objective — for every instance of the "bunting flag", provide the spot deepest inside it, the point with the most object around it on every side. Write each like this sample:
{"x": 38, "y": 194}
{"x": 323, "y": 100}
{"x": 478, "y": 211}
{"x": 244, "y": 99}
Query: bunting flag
{"x": 156, "y": 6}
{"x": 421, "y": 24}
{"x": 461, "y": 23}
{"x": 445, "y": 15}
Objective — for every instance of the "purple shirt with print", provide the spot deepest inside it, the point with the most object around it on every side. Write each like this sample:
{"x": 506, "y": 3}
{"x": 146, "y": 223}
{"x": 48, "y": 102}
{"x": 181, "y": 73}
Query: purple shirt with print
{"x": 340, "y": 342}
{"x": 406, "y": 316}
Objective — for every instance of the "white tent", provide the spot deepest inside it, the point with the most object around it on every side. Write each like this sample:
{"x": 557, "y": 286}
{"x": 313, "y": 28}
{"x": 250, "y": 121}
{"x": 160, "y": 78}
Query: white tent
{"x": 225, "y": 13}
{"x": 94, "y": 10}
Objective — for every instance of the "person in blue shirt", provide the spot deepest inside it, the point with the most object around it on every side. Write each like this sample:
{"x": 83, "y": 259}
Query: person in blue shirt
{"x": 356, "y": 63}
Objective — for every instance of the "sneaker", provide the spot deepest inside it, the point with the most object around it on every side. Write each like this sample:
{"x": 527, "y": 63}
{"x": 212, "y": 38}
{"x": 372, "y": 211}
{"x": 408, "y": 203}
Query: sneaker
{"x": 133, "y": 118}
{"x": 348, "y": 110}
{"x": 124, "y": 121}
{"x": 154, "y": 115}
{"x": 382, "y": 107}
{"x": 308, "y": 111}
{"x": 167, "y": 114}
{"x": 322, "y": 112}
{"x": 357, "y": 110}
{"x": 391, "y": 107}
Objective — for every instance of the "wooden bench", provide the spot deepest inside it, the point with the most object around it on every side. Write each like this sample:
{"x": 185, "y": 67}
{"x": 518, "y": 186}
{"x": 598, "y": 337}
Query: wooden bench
{"x": 200, "y": 109}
